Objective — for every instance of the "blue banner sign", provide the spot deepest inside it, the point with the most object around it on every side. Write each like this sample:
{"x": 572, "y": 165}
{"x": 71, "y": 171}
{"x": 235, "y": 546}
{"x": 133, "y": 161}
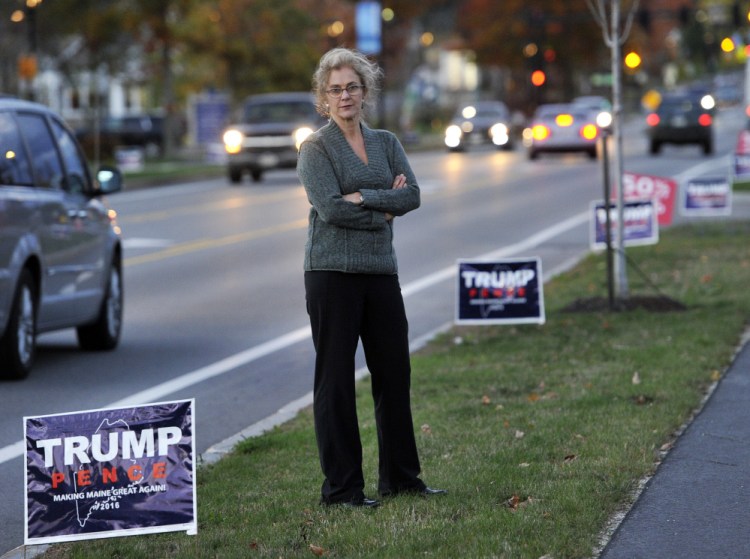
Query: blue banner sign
{"x": 369, "y": 28}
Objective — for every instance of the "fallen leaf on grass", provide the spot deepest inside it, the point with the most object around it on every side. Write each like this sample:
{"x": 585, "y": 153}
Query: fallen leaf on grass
{"x": 253, "y": 545}
{"x": 514, "y": 502}
{"x": 706, "y": 278}
{"x": 569, "y": 458}
{"x": 520, "y": 434}
{"x": 524, "y": 465}
{"x": 319, "y": 551}
{"x": 715, "y": 375}
{"x": 486, "y": 400}
{"x": 426, "y": 429}
{"x": 636, "y": 378}
{"x": 533, "y": 397}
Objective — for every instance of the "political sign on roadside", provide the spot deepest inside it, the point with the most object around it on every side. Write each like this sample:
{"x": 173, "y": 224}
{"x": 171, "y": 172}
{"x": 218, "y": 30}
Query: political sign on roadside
{"x": 648, "y": 187}
{"x": 742, "y": 156}
{"x": 507, "y": 291}
{"x": 640, "y": 224}
{"x": 707, "y": 196}
{"x": 110, "y": 472}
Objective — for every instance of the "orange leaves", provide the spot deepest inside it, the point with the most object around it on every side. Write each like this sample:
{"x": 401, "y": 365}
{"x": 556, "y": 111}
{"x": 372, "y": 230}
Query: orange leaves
{"x": 317, "y": 550}
{"x": 514, "y": 502}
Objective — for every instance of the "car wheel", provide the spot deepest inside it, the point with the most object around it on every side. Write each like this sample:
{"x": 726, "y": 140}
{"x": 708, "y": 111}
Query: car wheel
{"x": 592, "y": 153}
{"x": 18, "y": 345}
{"x": 235, "y": 174}
{"x": 256, "y": 174}
{"x": 655, "y": 148}
{"x": 708, "y": 147}
{"x": 104, "y": 333}
{"x": 533, "y": 155}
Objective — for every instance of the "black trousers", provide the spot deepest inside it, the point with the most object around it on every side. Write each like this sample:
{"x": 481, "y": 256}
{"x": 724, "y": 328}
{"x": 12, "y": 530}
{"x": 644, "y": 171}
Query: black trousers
{"x": 344, "y": 308}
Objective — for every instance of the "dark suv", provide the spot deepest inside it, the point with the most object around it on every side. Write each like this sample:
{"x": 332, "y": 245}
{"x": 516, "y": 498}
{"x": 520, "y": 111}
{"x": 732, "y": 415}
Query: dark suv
{"x": 272, "y": 128}
{"x": 682, "y": 118}
{"x": 60, "y": 248}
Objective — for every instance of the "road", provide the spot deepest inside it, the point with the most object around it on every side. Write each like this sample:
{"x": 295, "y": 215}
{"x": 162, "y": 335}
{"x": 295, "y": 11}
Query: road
{"x": 214, "y": 305}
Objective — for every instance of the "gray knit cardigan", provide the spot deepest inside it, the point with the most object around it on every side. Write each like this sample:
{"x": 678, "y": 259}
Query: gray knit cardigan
{"x": 343, "y": 236}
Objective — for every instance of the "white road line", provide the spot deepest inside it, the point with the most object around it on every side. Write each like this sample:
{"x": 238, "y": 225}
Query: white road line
{"x": 158, "y": 392}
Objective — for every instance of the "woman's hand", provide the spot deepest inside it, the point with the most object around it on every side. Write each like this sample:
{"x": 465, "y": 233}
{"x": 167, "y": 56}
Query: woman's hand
{"x": 353, "y": 197}
{"x": 399, "y": 182}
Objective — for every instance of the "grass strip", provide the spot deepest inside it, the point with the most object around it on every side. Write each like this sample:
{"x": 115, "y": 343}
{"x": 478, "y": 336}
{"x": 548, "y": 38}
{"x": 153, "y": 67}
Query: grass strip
{"x": 540, "y": 433}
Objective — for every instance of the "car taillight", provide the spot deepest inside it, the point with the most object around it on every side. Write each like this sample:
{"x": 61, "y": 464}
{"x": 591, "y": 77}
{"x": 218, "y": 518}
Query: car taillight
{"x": 704, "y": 120}
{"x": 540, "y": 132}
{"x": 652, "y": 119}
{"x": 589, "y": 132}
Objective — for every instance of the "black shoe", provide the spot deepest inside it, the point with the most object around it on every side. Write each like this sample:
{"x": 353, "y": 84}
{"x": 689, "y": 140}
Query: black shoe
{"x": 363, "y": 502}
{"x": 424, "y": 491}
{"x": 428, "y": 491}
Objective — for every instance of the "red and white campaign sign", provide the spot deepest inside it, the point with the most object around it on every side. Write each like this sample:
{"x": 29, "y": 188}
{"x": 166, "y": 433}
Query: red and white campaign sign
{"x": 661, "y": 190}
{"x": 742, "y": 156}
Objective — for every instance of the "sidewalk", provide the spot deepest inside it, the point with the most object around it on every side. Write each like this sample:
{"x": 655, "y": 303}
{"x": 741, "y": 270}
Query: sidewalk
{"x": 697, "y": 505}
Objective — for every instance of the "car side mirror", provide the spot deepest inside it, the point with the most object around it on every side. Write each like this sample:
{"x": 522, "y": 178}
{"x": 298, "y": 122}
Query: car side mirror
{"x": 110, "y": 179}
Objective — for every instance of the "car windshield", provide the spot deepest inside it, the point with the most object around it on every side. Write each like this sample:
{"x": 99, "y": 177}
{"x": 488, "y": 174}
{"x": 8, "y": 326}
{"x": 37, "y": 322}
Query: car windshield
{"x": 261, "y": 113}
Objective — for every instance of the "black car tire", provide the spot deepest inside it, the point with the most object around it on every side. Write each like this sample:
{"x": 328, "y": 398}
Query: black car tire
{"x": 256, "y": 175}
{"x": 104, "y": 333}
{"x": 533, "y": 155}
{"x": 708, "y": 147}
{"x": 655, "y": 147}
{"x": 18, "y": 345}
{"x": 235, "y": 175}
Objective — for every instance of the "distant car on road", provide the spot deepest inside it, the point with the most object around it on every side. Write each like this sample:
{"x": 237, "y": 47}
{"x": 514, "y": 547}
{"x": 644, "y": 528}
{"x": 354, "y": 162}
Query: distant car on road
{"x": 682, "y": 118}
{"x": 599, "y": 107}
{"x": 60, "y": 248}
{"x": 484, "y": 122}
{"x": 561, "y": 127}
{"x": 139, "y": 130}
{"x": 272, "y": 128}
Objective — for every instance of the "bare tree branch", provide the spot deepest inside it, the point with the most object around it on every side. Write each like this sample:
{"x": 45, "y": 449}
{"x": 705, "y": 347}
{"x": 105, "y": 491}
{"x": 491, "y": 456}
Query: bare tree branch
{"x": 629, "y": 22}
{"x": 600, "y": 16}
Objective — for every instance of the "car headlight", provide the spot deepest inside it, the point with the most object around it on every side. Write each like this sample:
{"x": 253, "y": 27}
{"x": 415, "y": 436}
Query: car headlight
{"x": 301, "y": 134}
{"x": 604, "y": 119}
{"x": 232, "y": 141}
{"x": 499, "y": 134}
{"x": 453, "y": 136}
{"x": 708, "y": 102}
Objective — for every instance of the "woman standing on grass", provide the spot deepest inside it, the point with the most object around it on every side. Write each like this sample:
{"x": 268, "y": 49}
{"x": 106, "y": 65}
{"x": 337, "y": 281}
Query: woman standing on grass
{"x": 357, "y": 180}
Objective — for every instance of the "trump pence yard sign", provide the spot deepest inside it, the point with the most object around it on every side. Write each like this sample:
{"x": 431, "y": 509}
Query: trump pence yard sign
{"x": 500, "y": 292}
{"x": 110, "y": 472}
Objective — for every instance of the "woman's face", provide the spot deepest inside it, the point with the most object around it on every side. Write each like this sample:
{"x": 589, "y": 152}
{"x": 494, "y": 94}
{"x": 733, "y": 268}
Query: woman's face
{"x": 347, "y": 107}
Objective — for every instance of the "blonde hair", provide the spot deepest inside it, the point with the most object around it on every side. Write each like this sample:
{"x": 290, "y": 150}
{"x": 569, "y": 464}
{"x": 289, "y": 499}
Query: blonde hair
{"x": 368, "y": 71}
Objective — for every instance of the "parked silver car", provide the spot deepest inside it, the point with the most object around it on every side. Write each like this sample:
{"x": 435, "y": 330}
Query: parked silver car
{"x": 60, "y": 247}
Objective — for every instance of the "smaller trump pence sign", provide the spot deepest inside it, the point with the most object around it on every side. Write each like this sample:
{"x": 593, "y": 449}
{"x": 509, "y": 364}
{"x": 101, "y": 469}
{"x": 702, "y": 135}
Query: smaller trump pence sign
{"x": 110, "y": 472}
{"x": 500, "y": 292}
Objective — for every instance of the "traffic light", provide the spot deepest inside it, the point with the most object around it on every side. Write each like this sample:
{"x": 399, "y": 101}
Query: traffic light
{"x": 538, "y": 78}
{"x": 632, "y": 60}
